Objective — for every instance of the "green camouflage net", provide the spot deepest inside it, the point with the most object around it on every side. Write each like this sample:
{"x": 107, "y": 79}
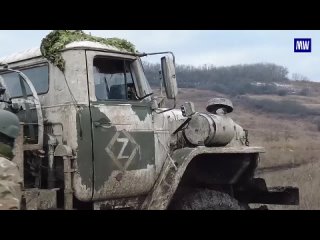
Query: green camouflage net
{"x": 55, "y": 41}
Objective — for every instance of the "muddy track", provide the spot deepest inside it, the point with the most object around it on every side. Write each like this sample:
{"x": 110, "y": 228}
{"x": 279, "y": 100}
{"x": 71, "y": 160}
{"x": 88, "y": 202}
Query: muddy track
{"x": 281, "y": 167}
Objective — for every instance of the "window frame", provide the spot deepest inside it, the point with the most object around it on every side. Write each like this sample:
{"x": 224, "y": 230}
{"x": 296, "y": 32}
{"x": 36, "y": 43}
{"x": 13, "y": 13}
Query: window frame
{"x": 125, "y": 62}
{"x": 21, "y": 68}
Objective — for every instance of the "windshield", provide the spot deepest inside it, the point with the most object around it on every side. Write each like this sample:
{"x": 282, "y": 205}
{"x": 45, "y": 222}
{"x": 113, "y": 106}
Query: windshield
{"x": 119, "y": 79}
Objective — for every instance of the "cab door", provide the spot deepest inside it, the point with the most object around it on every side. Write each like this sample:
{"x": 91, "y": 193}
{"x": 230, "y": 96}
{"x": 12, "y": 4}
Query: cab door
{"x": 122, "y": 128}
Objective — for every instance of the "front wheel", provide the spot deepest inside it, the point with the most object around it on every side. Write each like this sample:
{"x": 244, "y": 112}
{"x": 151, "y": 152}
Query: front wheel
{"x": 205, "y": 199}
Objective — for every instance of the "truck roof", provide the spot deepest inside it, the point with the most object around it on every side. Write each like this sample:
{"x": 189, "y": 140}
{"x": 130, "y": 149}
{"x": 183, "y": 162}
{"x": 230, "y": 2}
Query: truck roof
{"x": 35, "y": 52}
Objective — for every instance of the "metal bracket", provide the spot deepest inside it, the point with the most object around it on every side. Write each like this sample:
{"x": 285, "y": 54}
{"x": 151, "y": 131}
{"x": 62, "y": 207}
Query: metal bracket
{"x": 62, "y": 151}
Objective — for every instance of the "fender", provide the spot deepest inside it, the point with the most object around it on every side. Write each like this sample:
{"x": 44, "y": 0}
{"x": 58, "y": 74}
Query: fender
{"x": 174, "y": 168}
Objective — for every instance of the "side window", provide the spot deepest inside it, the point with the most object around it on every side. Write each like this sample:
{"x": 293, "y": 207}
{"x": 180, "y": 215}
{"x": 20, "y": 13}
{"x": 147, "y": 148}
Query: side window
{"x": 39, "y": 76}
{"x": 113, "y": 79}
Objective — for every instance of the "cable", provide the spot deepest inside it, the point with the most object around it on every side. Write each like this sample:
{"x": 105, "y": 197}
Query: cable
{"x": 72, "y": 96}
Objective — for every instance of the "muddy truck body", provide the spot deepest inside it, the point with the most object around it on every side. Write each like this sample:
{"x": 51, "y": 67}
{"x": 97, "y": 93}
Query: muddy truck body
{"x": 95, "y": 137}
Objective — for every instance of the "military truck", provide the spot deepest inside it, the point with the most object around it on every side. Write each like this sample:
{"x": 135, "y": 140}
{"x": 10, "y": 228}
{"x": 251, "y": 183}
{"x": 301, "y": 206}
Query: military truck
{"x": 95, "y": 136}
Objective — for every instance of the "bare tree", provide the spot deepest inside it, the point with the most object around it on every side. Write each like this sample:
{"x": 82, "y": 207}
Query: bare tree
{"x": 299, "y": 77}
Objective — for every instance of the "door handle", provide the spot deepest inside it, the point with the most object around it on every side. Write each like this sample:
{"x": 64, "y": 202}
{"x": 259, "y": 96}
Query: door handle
{"x": 103, "y": 125}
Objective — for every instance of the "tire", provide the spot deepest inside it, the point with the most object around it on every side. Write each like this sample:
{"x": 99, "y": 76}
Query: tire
{"x": 205, "y": 199}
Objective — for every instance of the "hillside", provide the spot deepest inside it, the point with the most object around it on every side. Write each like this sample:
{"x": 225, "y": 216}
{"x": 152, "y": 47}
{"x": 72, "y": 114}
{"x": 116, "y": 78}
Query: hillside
{"x": 261, "y": 78}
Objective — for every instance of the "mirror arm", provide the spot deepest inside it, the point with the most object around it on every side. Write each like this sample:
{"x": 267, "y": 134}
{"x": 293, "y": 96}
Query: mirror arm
{"x": 157, "y": 53}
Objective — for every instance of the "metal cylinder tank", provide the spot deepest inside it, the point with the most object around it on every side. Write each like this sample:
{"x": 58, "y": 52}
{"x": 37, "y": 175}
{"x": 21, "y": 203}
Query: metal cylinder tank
{"x": 209, "y": 130}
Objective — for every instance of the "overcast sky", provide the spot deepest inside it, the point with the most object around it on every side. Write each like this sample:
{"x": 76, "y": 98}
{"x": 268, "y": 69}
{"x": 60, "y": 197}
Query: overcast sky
{"x": 197, "y": 47}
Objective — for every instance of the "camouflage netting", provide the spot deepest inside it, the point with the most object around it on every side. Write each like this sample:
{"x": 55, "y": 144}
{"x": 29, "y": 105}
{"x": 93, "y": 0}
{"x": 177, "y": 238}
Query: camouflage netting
{"x": 55, "y": 41}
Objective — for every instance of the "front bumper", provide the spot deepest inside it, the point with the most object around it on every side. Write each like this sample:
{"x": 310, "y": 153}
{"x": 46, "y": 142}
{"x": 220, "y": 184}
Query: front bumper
{"x": 259, "y": 193}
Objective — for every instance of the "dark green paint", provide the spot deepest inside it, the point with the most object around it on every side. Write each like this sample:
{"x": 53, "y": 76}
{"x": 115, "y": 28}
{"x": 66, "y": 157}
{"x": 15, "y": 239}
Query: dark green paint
{"x": 104, "y": 165}
{"x": 141, "y": 111}
{"x": 101, "y": 138}
{"x": 84, "y": 155}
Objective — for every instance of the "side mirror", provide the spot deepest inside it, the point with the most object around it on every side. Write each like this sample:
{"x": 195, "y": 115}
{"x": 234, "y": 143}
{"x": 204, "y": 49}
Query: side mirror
{"x": 169, "y": 77}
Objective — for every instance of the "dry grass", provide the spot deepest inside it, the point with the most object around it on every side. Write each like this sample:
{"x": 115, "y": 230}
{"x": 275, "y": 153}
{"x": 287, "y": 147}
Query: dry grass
{"x": 291, "y": 142}
{"x": 300, "y": 99}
